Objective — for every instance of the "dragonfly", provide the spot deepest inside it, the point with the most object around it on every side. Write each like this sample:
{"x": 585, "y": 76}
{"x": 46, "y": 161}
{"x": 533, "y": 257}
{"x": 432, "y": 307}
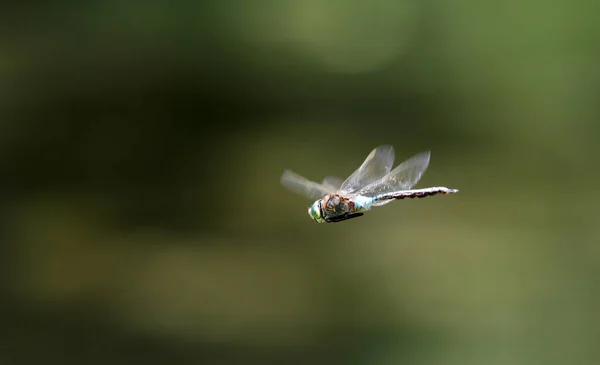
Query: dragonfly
{"x": 373, "y": 184}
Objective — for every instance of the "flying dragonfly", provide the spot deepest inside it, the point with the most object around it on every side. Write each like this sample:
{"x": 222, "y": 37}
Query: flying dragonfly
{"x": 373, "y": 184}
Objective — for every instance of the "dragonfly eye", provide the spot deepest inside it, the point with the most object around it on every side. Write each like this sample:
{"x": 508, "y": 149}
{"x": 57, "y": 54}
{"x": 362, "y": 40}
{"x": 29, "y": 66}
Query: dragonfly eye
{"x": 315, "y": 212}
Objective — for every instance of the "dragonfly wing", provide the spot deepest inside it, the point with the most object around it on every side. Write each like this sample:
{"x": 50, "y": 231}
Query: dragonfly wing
{"x": 403, "y": 177}
{"x": 376, "y": 165}
{"x": 303, "y": 186}
{"x": 381, "y": 202}
{"x": 332, "y": 183}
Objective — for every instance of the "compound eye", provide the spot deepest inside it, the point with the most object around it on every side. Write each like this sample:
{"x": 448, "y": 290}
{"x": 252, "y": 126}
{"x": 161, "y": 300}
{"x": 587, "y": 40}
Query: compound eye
{"x": 315, "y": 211}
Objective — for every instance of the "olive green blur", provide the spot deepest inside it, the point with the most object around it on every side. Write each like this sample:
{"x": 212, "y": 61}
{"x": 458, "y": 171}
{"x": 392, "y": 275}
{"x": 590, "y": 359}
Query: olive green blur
{"x": 142, "y": 219}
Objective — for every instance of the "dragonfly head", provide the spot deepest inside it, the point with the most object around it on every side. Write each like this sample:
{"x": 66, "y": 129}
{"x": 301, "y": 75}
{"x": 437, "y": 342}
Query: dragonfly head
{"x": 315, "y": 212}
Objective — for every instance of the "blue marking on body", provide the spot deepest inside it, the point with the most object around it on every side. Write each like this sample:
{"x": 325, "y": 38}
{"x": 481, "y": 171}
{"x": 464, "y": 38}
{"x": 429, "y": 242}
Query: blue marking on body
{"x": 363, "y": 202}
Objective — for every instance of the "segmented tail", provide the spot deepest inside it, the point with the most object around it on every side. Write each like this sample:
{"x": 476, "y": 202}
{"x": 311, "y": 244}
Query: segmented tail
{"x": 417, "y": 193}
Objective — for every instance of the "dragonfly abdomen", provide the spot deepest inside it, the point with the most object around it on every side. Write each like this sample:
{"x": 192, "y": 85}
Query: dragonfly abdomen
{"x": 417, "y": 193}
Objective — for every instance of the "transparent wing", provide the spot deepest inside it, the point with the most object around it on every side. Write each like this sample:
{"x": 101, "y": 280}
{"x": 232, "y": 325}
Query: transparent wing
{"x": 403, "y": 177}
{"x": 376, "y": 165}
{"x": 303, "y": 186}
{"x": 333, "y": 183}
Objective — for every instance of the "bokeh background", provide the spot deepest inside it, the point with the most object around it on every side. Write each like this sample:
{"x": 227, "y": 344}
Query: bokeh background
{"x": 143, "y": 221}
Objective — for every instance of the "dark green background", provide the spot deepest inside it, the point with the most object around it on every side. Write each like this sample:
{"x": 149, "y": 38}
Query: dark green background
{"x": 142, "y": 220}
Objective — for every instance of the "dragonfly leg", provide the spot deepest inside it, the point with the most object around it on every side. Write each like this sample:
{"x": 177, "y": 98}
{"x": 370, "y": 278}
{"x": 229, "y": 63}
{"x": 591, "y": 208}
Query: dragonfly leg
{"x": 343, "y": 217}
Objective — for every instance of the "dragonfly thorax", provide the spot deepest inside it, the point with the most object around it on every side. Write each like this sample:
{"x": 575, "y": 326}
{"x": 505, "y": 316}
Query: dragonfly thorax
{"x": 334, "y": 208}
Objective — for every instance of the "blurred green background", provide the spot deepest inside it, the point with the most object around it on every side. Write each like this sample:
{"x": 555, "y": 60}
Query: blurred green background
{"x": 143, "y": 221}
